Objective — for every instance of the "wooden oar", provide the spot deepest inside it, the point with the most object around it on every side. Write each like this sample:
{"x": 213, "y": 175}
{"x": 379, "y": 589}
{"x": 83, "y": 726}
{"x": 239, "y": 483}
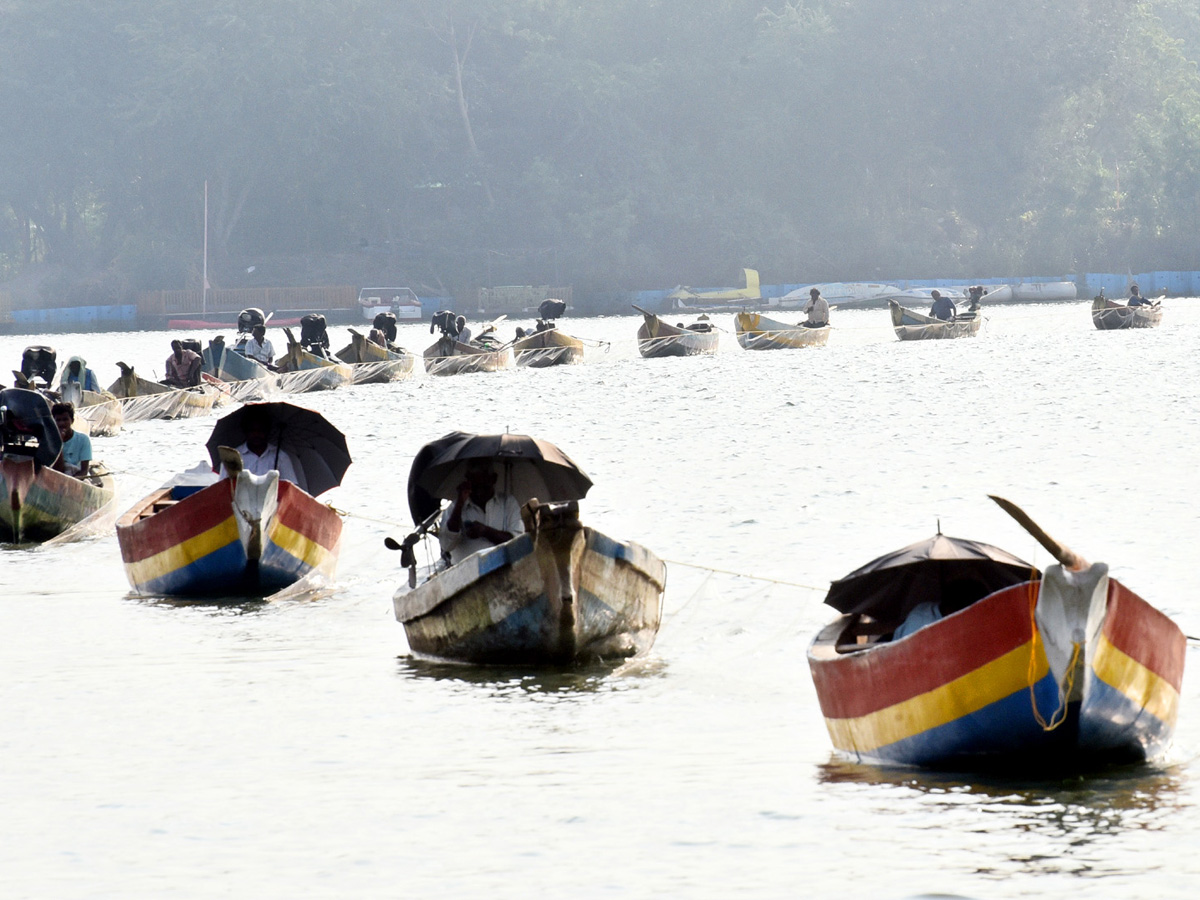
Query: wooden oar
{"x": 1064, "y": 554}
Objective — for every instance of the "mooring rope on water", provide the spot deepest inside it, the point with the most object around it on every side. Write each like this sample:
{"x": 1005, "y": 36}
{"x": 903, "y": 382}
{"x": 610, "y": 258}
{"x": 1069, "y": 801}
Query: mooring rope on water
{"x": 807, "y": 587}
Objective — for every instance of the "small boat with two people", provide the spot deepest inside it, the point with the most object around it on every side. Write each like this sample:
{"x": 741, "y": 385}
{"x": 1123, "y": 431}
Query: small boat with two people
{"x": 657, "y": 338}
{"x": 458, "y": 351}
{"x": 40, "y": 501}
{"x": 911, "y": 325}
{"x": 518, "y": 579}
{"x": 758, "y": 332}
{"x": 256, "y": 529}
{"x": 955, "y": 654}
{"x": 375, "y": 358}
{"x": 544, "y": 345}
{"x": 1108, "y": 315}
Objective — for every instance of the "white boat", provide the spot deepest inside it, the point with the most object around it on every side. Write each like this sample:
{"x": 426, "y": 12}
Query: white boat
{"x": 402, "y": 302}
{"x": 841, "y": 293}
{"x": 1049, "y": 290}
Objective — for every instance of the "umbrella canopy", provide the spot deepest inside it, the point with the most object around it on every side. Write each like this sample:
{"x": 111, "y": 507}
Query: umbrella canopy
{"x": 951, "y": 571}
{"x": 421, "y": 503}
{"x": 317, "y": 448}
{"x": 527, "y": 467}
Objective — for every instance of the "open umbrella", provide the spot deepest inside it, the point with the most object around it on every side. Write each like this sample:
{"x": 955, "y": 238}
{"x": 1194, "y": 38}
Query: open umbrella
{"x": 940, "y": 568}
{"x": 317, "y": 447}
{"x": 528, "y": 467}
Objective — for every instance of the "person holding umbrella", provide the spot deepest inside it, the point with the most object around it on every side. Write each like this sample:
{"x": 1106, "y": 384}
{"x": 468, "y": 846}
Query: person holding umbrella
{"x": 480, "y": 516}
{"x": 259, "y": 453}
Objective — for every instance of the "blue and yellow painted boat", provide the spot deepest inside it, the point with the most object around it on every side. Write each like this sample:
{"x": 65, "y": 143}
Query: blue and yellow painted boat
{"x": 1067, "y": 668}
{"x": 253, "y": 534}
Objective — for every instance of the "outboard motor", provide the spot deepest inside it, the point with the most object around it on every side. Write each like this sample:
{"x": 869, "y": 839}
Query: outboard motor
{"x": 386, "y": 323}
{"x": 192, "y": 344}
{"x": 250, "y": 317}
{"x": 552, "y": 309}
{"x": 27, "y": 427}
{"x": 313, "y": 336}
{"x": 977, "y": 294}
{"x": 39, "y": 362}
{"x": 446, "y": 320}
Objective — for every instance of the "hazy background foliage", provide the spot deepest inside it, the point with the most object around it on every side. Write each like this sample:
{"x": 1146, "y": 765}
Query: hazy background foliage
{"x": 630, "y": 143}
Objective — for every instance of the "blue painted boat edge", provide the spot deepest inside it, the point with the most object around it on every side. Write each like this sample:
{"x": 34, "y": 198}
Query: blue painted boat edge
{"x": 1109, "y": 722}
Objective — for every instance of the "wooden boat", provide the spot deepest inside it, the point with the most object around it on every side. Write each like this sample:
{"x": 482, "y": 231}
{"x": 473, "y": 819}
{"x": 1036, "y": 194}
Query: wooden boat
{"x": 559, "y": 593}
{"x": 301, "y": 371}
{"x": 657, "y": 338}
{"x": 100, "y": 413}
{"x": 373, "y": 364}
{"x": 757, "y": 332}
{"x": 1108, "y": 315}
{"x": 1015, "y": 668}
{"x": 249, "y": 535}
{"x": 142, "y": 399}
{"x": 247, "y": 379}
{"x": 453, "y": 357}
{"x": 547, "y": 347}
{"x": 911, "y": 325}
{"x": 41, "y": 503}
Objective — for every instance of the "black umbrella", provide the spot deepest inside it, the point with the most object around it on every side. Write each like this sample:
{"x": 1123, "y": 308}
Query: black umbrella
{"x": 528, "y": 467}
{"x": 421, "y": 503}
{"x": 952, "y": 571}
{"x": 317, "y": 448}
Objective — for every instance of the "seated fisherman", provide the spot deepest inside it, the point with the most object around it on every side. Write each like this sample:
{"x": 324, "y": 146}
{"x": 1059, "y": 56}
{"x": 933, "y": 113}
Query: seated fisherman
{"x": 258, "y": 348}
{"x": 1136, "y": 298}
{"x": 183, "y": 366}
{"x": 261, "y": 454}
{"x": 464, "y": 333}
{"x": 817, "y": 309}
{"x": 943, "y": 307}
{"x": 77, "y": 372}
{"x": 480, "y": 517}
{"x": 76, "y": 456}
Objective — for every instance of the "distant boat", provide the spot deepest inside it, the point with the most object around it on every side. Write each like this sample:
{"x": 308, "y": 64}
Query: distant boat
{"x": 143, "y": 399}
{"x": 955, "y": 654}
{"x": 1045, "y": 290}
{"x": 247, "y": 379}
{"x": 401, "y": 302}
{"x": 844, "y": 294}
{"x": 301, "y": 370}
{"x": 911, "y": 325}
{"x": 1108, "y": 315}
{"x": 657, "y": 338}
{"x": 757, "y": 332}
{"x": 546, "y": 345}
{"x": 374, "y": 364}
{"x": 685, "y": 298}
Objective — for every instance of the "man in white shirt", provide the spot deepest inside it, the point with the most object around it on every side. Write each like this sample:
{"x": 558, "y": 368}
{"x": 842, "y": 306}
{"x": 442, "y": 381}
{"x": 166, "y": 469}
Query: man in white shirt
{"x": 480, "y": 517}
{"x": 817, "y": 309}
{"x": 260, "y": 454}
{"x": 258, "y": 348}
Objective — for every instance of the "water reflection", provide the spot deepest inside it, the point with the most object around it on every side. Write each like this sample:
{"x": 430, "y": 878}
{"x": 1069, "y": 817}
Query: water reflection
{"x": 583, "y": 678}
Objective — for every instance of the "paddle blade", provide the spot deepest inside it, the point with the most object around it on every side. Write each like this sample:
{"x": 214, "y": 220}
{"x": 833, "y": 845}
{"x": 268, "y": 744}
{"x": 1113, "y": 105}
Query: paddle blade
{"x": 1064, "y": 554}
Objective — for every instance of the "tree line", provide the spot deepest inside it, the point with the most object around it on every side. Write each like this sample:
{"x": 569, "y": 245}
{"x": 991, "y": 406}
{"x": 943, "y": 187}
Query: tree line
{"x": 616, "y": 145}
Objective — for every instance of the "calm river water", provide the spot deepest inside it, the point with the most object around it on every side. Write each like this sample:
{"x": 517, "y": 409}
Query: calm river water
{"x": 293, "y": 749}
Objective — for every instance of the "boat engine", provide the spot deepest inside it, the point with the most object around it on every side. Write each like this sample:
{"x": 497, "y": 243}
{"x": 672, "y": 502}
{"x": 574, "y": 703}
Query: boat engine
{"x": 551, "y": 309}
{"x": 250, "y": 317}
{"x": 386, "y": 323}
{"x": 192, "y": 344}
{"x": 313, "y": 336}
{"x": 39, "y": 362}
{"x": 27, "y": 427}
{"x": 446, "y": 320}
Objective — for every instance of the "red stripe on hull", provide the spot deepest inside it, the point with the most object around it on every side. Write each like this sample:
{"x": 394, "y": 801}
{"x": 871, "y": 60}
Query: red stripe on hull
{"x": 296, "y": 512}
{"x": 1144, "y": 634}
{"x": 856, "y": 684}
{"x": 203, "y": 510}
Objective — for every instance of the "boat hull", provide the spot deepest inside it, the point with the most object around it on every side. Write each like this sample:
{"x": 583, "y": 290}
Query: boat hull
{"x": 450, "y": 357}
{"x": 564, "y": 594}
{"x": 977, "y": 688}
{"x": 910, "y": 325}
{"x": 657, "y": 339}
{"x": 549, "y": 347}
{"x": 39, "y": 503}
{"x": 197, "y": 544}
{"x": 757, "y": 332}
{"x": 245, "y": 378}
{"x": 372, "y": 364}
{"x": 301, "y": 372}
{"x": 1110, "y": 316}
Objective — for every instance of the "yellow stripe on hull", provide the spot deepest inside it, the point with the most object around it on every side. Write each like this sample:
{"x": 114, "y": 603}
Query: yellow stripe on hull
{"x": 1142, "y": 687}
{"x": 184, "y": 554}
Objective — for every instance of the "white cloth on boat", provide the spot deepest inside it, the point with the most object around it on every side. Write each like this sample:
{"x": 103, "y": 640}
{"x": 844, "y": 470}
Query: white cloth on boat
{"x": 272, "y": 458}
{"x": 502, "y": 512}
